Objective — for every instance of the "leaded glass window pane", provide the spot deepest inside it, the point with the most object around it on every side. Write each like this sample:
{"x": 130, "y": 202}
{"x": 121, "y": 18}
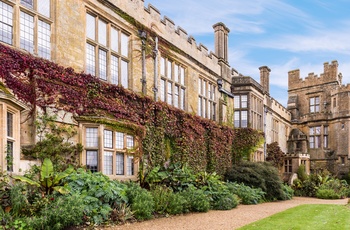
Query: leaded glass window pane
{"x": 27, "y": 32}
{"x": 44, "y": 7}
{"x": 44, "y": 36}
{"x": 120, "y": 164}
{"x": 124, "y": 44}
{"x": 124, "y": 74}
{"x": 91, "y": 137}
{"x": 130, "y": 166}
{"x": 114, "y": 70}
{"x": 129, "y": 141}
{"x": 6, "y": 23}
{"x": 114, "y": 40}
{"x": 119, "y": 138}
{"x": 102, "y": 32}
{"x": 102, "y": 59}
{"x": 92, "y": 160}
{"x": 90, "y": 59}
{"x": 108, "y": 163}
{"x": 9, "y": 124}
{"x": 108, "y": 138}
{"x": 90, "y": 26}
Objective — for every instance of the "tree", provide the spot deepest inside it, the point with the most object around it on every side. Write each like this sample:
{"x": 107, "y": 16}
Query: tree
{"x": 275, "y": 155}
{"x": 54, "y": 143}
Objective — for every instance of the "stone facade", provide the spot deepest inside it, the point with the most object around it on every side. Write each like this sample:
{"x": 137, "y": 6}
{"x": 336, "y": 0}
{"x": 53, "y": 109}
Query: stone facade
{"x": 320, "y": 113}
{"x": 127, "y": 43}
{"x": 263, "y": 112}
{"x": 120, "y": 42}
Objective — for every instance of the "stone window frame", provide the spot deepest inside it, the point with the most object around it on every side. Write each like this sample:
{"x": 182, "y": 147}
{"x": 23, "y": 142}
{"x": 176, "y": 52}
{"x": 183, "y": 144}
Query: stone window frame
{"x": 325, "y": 137}
{"x": 241, "y": 113}
{"x": 108, "y": 152}
{"x": 172, "y": 87}
{"x": 37, "y": 32}
{"x": 275, "y": 129}
{"x": 10, "y": 139}
{"x": 107, "y": 57}
{"x": 314, "y": 104}
{"x": 206, "y": 99}
{"x": 288, "y": 166}
{"x": 241, "y": 118}
{"x": 315, "y": 137}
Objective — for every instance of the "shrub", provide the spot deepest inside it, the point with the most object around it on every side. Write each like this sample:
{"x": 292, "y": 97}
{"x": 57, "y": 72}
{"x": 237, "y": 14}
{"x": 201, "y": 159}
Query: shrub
{"x": 225, "y": 201}
{"x": 101, "y": 194}
{"x": 246, "y": 194}
{"x": 166, "y": 201}
{"x": 176, "y": 204}
{"x": 195, "y": 200}
{"x": 302, "y": 173}
{"x": 258, "y": 175}
{"x": 179, "y": 177}
{"x": 62, "y": 212}
{"x": 288, "y": 192}
{"x": 327, "y": 194}
{"x": 339, "y": 187}
{"x": 306, "y": 188}
{"x": 216, "y": 190}
{"x": 141, "y": 200}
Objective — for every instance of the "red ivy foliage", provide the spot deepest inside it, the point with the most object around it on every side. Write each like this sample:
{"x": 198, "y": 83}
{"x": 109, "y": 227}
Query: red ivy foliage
{"x": 202, "y": 143}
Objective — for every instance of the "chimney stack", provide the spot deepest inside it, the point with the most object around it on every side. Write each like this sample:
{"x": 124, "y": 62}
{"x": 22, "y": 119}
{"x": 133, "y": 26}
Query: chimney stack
{"x": 265, "y": 78}
{"x": 221, "y": 41}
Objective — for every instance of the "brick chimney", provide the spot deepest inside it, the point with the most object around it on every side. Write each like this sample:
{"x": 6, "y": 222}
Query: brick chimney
{"x": 265, "y": 78}
{"x": 221, "y": 41}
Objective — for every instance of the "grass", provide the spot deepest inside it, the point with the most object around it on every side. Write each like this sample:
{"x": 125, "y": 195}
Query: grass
{"x": 306, "y": 217}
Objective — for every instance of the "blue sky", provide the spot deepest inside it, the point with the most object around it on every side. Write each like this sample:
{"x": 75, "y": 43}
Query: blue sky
{"x": 281, "y": 34}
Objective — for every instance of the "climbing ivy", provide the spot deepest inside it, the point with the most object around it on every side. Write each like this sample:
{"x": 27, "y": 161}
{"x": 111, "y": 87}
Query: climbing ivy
{"x": 165, "y": 133}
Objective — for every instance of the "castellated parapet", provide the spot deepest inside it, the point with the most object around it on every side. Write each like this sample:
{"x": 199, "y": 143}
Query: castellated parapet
{"x": 150, "y": 16}
{"x": 330, "y": 74}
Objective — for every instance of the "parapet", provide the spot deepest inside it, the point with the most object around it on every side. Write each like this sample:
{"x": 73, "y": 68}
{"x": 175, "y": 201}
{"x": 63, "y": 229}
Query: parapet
{"x": 330, "y": 74}
{"x": 165, "y": 28}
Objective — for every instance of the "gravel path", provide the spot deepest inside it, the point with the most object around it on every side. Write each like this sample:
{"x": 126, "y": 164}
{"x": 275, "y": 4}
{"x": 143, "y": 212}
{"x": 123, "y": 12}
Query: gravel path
{"x": 221, "y": 220}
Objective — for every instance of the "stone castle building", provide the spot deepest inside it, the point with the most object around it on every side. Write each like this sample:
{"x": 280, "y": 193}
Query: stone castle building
{"x": 319, "y": 107}
{"x": 122, "y": 42}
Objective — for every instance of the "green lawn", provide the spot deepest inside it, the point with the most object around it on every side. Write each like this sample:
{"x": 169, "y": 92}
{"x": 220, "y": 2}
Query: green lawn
{"x": 306, "y": 217}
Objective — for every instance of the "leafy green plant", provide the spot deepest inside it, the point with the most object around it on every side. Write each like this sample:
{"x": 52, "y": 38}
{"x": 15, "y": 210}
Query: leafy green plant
{"x": 49, "y": 181}
{"x": 54, "y": 143}
{"x": 302, "y": 173}
{"x": 4, "y": 190}
{"x": 246, "y": 194}
{"x": 141, "y": 200}
{"x": 59, "y": 213}
{"x": 195, "y": 200}
{"x": 122, "y": 213}
{"x": 19, "y": 200}
{"x": 288, "y": 192}
{"x": 218, "y": 194}
{"x": 166, "y": 201}
{"x": 339, "y": 188}
{"x": 258, "y": 175}
{"x": 101, "y": 194}
{"x": 324, "y": 193}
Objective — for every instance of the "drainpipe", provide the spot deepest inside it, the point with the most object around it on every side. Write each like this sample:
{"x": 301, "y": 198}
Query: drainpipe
{"x": 155, "y": 80}
{"x": 143, "y": 37}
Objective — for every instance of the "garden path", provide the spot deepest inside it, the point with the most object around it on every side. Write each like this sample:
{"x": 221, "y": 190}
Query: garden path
{"x": 222, "y": 220}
